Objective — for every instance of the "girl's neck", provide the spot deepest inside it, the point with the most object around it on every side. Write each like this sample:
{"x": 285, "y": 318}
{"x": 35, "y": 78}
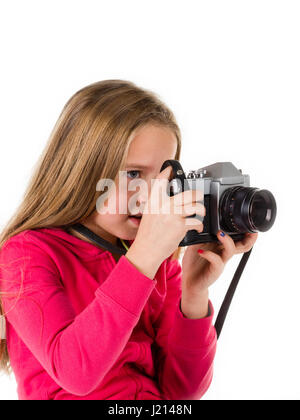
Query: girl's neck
{"x": 80, "y": 236}
{"x": 84, "y": 238}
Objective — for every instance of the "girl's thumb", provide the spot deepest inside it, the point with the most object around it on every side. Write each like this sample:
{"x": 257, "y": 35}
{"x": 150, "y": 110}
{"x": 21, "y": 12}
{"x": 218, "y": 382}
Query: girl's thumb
{"x": 165, "y": 174}
{"x": 161, "y": 180}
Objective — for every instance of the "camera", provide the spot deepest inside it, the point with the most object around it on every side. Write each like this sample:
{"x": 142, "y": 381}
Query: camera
{"x": 231, "y": 204}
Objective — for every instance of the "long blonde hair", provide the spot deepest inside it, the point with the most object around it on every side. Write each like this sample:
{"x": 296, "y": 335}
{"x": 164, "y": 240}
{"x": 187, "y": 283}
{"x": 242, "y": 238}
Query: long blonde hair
{"x": 89, "y": 141}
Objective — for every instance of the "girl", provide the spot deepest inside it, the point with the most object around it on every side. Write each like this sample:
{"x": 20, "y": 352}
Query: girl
{"x": 81, "y": 321}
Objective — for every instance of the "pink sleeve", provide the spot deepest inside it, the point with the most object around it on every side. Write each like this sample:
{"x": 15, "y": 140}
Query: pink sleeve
{"x": 65, "y": 344}
{"x": 184, "y": 348}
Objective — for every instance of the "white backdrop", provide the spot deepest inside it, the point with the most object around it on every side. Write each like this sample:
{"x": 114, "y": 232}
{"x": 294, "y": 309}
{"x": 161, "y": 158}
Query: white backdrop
{"x": 230, "y": 72}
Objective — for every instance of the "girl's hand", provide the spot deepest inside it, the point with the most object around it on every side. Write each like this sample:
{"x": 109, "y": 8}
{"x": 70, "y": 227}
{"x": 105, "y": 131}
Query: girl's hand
{"x": 199, "y": 271}
{"x": 163, "y": 224}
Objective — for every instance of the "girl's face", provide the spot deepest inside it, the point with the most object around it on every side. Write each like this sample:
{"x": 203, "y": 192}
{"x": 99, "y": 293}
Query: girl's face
{"x": 150, "y": 147}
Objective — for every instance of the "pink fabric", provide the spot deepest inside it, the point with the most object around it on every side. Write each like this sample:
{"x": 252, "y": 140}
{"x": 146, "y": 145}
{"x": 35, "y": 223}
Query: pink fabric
{"x": 85, "y": 327}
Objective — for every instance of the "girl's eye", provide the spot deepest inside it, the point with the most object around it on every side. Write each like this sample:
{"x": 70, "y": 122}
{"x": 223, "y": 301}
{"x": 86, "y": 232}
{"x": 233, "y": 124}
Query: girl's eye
{"x": 132, "y": 174}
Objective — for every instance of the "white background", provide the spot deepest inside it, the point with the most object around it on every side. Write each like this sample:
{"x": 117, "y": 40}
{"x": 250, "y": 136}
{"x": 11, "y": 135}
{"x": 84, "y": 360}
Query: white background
{"x": 230, "y": 72}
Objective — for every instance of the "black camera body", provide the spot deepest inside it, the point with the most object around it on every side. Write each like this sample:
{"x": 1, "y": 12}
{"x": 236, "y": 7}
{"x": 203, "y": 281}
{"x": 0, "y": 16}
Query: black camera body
{"x": 231, "y": 204}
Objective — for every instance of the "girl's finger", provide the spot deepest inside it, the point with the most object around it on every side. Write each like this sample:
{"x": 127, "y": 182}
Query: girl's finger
{"x": 228, "y": 244}
{"x": 187, "y": 197}
{"x": 246, "y": 243}
{"x": 217, "y": 263}
{"x": 193, "y": 223}
{"x": 189, "y": 210}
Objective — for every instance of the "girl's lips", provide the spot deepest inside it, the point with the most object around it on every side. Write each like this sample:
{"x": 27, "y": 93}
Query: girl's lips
{"x": 134, "y": 220}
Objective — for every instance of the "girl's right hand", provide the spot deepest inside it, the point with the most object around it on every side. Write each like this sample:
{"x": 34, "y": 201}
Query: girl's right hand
{"x": 161, "y": 231}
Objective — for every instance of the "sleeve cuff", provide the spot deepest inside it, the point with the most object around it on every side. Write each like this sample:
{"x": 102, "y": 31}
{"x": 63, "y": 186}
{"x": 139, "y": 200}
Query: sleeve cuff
{"x": 127, "y": 286}
{"x": 192, "y": 334}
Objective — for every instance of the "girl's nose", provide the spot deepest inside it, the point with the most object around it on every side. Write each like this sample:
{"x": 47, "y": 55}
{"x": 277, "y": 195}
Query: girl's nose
{"x": 143, "y": 197}
{"x": 142, "y": 200}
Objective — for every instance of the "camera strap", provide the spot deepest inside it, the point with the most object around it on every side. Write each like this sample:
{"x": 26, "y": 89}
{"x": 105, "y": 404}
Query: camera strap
{"x": 230, "y": 292}
{"x": 80, "y": 228}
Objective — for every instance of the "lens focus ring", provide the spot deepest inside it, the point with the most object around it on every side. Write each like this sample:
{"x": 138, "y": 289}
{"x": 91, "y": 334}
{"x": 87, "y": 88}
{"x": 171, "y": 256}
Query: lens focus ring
{"x": 235, "y": 208}
{"x": 246, "y": 209}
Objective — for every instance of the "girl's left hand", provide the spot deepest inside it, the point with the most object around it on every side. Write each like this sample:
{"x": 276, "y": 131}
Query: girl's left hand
{"x": 199, "y": 271}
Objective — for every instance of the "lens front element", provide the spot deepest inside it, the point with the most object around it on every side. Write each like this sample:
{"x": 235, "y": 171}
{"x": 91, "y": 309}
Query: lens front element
{"x": 246, "y": 209}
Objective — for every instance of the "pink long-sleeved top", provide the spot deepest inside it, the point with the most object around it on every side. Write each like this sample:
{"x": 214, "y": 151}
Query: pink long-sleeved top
{"x": 85, "y": 327}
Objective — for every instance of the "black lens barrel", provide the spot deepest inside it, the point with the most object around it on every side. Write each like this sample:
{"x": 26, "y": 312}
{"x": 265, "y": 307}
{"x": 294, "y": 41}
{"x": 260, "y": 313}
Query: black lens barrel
{"x": 247, "y": 209}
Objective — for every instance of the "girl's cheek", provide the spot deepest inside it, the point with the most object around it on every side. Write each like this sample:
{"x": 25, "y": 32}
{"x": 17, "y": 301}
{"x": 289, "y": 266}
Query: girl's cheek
{"x": 122, "y": 203}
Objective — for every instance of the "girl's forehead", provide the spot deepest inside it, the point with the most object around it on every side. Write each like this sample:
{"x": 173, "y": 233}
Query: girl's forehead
{"x": 149, "y": 144}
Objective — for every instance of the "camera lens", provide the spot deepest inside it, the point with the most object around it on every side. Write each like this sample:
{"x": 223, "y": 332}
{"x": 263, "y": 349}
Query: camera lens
{"x": 246, "y": 209}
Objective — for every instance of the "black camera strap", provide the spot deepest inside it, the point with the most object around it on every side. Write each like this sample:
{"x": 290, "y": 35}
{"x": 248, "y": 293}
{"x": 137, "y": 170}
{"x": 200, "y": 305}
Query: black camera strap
{"x": 80, "y": 228}
{"x": 230, "y": 292}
